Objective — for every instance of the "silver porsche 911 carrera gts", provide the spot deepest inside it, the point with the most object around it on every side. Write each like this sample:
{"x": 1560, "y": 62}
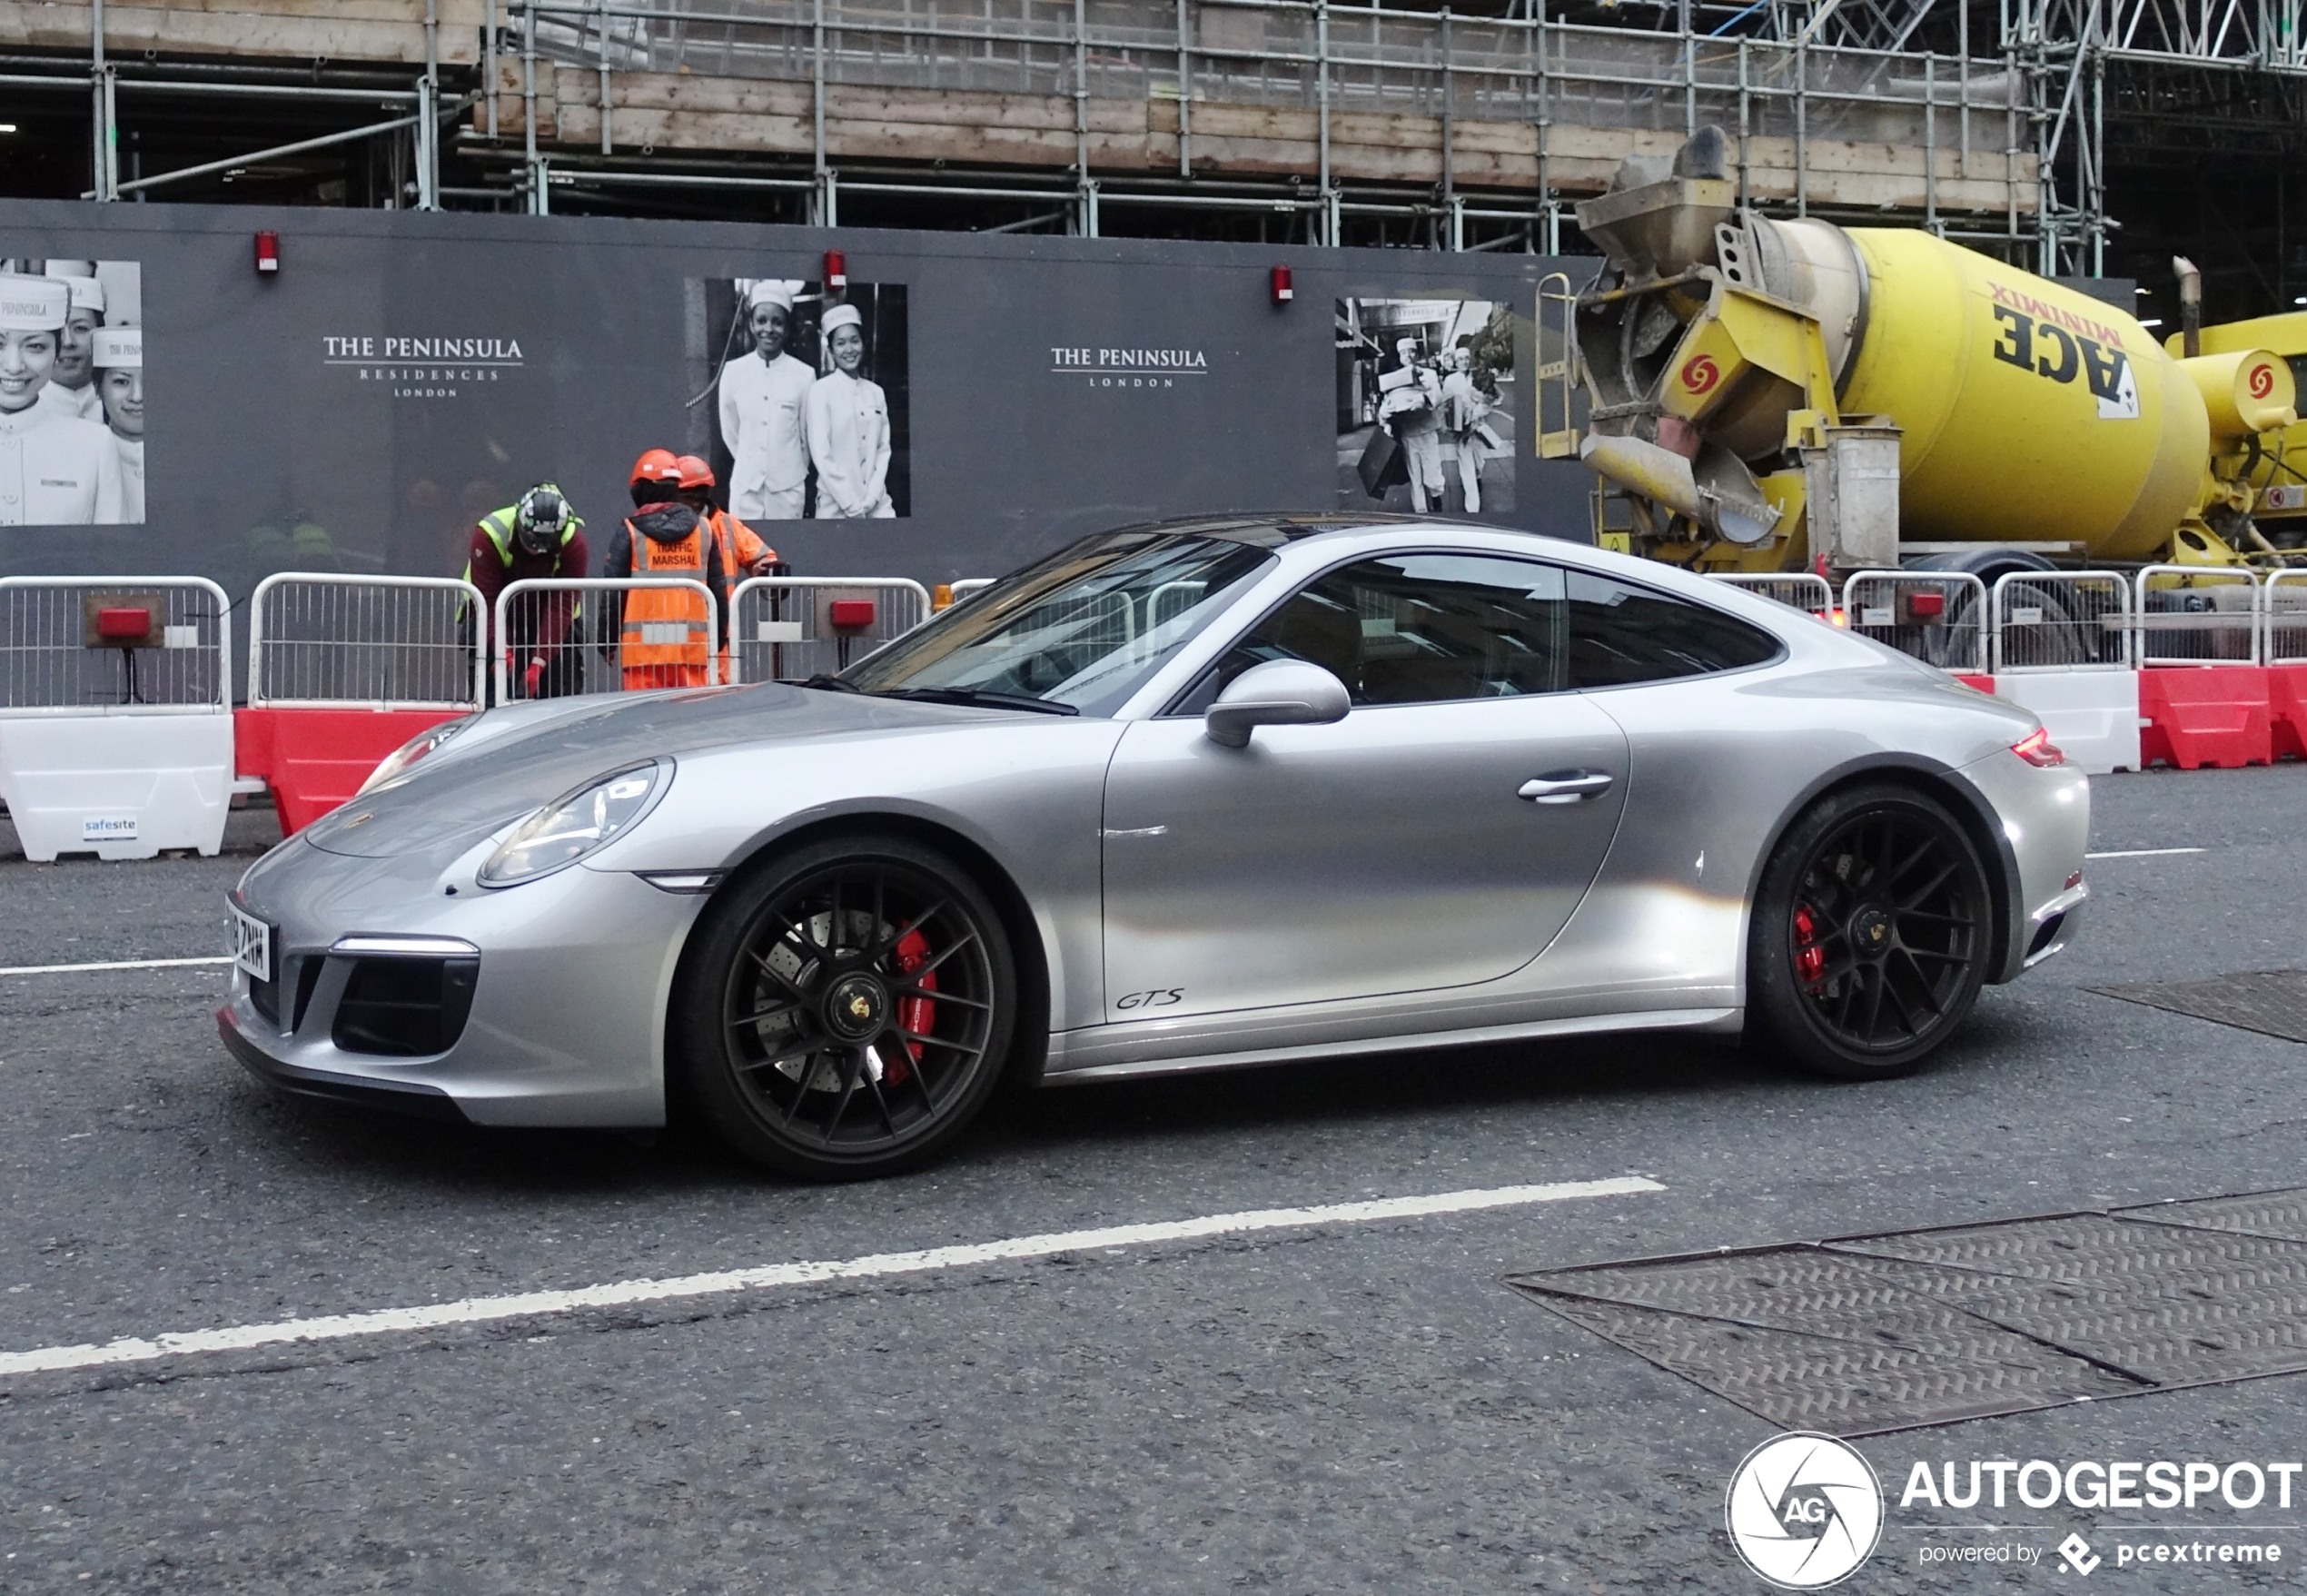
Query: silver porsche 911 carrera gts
{"x": 1177, "y": 797}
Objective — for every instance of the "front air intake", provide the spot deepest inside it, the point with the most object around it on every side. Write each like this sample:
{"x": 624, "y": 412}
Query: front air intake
{"x": 405, "y": 1008}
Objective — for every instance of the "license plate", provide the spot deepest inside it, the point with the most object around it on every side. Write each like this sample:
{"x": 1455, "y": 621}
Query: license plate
{"x": 252, "y": 945}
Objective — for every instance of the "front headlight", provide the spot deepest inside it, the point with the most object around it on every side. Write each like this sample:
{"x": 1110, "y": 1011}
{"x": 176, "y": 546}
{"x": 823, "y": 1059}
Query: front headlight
{"x": 568, "y": 829}
{"x": 415, "y": 748}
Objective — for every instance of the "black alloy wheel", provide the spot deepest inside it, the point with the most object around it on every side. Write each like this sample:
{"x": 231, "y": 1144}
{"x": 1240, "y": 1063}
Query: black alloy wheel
{"x": 1871, "y": 935}
{"x": 846, "y": 1011}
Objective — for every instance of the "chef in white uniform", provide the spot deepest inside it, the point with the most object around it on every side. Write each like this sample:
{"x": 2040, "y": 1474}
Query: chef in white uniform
{"x": 120, "y": 383}
{"x": 849, "y": 427}
{"x": 71, "y": 386}
{"x": 763, "y": 398}
{"x": 55, "y": 469}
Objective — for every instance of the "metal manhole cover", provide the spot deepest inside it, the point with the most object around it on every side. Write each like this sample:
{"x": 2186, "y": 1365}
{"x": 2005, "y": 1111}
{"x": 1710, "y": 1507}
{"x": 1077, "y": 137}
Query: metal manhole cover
{"x": 2271, "y": 1002}
{"x": 1869, "y": 1333}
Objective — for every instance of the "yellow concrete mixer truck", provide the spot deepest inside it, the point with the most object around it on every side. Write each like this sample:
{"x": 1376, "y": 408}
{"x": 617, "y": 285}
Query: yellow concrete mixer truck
{"x": 1767, "y": 395}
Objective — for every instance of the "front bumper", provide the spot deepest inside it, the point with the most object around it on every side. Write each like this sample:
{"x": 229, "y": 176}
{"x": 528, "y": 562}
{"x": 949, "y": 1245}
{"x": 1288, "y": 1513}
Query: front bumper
{"x": 563, "y": 1016}
{"x": 408, "y": 1097}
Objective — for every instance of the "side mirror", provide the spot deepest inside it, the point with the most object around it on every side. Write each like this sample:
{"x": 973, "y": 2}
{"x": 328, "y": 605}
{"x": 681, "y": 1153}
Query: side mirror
{"x": 1280, "y": 692}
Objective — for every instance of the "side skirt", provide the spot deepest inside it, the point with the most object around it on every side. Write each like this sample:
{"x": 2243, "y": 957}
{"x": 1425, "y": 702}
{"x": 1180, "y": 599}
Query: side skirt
{"x": 1712, "y": 1021}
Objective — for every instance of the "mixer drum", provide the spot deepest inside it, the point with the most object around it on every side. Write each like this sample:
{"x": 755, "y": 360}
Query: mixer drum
{"x": 2028, "y": 412}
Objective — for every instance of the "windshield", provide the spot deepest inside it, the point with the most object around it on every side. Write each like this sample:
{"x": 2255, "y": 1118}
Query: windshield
{"x": 1080, "y": 628}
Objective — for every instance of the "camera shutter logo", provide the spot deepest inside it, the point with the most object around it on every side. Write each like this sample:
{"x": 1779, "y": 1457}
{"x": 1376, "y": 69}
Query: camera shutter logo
{"x": 1804, "y": 1511}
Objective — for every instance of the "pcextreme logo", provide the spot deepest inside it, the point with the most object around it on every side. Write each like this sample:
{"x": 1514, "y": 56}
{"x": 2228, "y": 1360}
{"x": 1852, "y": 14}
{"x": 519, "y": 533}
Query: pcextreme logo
{"x": 1805, "y": 1511}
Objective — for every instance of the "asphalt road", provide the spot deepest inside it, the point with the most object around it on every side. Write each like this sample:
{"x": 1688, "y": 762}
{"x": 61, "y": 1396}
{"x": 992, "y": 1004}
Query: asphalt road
{"x": 1328, "y": 1408}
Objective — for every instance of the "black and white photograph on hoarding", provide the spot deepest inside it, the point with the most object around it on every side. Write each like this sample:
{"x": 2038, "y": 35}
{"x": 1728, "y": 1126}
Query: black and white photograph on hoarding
{"x": 1425, "y": 405}
{"x": 72, "y": 392}
{"x": 807, "y": 413}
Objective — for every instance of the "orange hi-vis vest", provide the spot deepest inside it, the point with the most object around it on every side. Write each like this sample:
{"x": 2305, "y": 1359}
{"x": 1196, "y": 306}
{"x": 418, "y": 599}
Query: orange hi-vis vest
{"x": 666, "y": 626}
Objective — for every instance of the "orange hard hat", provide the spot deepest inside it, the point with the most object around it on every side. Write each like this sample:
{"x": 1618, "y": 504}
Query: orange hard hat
{"x": 694, "y": 472}
{"x": 656, "y": 465}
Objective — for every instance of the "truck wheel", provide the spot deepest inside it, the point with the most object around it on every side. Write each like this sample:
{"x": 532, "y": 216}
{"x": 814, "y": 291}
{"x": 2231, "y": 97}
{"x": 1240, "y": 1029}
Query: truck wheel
{"x": 845, "y": 1012}
{"x": 1870, "y": 935}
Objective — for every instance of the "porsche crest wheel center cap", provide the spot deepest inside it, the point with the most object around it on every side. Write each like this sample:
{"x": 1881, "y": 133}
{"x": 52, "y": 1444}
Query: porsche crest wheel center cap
{"x": 855, "y": 1007}
{"x": 1870, "y": 931}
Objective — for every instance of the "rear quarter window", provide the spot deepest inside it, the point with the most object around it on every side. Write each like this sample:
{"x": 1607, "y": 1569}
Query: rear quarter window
{"x": 1620, "y": 634}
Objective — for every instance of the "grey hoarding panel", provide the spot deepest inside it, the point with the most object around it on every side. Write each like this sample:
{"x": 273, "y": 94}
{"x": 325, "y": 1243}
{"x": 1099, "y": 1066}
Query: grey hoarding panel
{"x": 403, "y": 373}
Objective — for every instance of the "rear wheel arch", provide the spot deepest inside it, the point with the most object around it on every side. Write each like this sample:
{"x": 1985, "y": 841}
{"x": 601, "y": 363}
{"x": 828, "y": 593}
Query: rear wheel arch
{"x": 1961, "y": 800}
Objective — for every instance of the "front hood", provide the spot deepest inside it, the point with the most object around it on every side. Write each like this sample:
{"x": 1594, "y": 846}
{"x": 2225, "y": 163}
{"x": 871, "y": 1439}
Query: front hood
{"x": 494, "y": 774}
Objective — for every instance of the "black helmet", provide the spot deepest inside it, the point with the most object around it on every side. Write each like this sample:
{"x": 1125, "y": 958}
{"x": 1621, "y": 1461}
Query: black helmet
{"x": 538, "y": 519}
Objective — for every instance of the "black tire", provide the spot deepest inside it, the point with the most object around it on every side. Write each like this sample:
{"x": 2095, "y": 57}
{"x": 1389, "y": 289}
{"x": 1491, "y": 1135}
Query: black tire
{"x": 845, "y": 1009}
{"x": 1871, "y": 935}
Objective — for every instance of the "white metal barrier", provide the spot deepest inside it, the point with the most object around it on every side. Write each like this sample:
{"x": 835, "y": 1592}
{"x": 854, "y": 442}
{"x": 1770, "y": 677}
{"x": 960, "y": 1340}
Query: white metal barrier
{"x": 1938, "y": 617}
{"x": 2062, "y": 620}
{"x": 969, "y": 585}
{"x": 789, "y": 629}
{"x": 115, "y": 714}
{"x": 581, "y": 645}
{"x": 2194, "y": 615}
{"x": 2282, "y": 615}
{"x": 388, "y": 642}
{"x": 1803, "y": 591}
{"x": 2063, "y": 648}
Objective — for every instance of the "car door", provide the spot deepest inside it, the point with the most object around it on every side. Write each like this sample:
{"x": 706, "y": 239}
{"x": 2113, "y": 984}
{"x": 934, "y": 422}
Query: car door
{"x": 1440, "y": 835}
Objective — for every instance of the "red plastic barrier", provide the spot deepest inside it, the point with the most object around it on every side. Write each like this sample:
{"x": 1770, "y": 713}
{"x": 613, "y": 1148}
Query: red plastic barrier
{"x": 315, "y": 759}
{"x": 2287, "y": 710}
{"x": 2210, "y": 717}
{"x": 1985, "y": 684}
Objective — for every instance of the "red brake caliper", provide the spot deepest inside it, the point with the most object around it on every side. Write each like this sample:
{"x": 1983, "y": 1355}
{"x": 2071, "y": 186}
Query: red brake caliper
{"x": 916, "y": 1015}
{"x": 1810, "y": 960}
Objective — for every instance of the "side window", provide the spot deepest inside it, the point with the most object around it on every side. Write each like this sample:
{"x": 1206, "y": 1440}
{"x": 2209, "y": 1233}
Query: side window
{"x": 1620, "y": 634}
{"x": 1416, "y": 629}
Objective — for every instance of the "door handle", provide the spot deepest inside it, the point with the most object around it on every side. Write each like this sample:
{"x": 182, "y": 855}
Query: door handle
{"x": 1567, "y": 787}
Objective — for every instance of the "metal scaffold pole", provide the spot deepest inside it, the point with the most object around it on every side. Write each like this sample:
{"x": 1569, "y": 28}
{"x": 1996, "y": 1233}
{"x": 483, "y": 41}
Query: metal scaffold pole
{"x": 607, "y": 145}
{"x": 1454, "y": 222}
{"x": 1085, "y": 205}
{"x": 429, "y": 113}
{"x": 103, "y": 152}
{"x": 539, "y": 179}
{"x": 821, "y": 201}
{"x": 1329, "y": 219}
{"x": 1184, "y": 96}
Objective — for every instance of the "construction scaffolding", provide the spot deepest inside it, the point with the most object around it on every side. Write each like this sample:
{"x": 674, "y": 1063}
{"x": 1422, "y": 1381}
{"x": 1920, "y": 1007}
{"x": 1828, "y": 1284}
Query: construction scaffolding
{"x": 1324, "y": 122}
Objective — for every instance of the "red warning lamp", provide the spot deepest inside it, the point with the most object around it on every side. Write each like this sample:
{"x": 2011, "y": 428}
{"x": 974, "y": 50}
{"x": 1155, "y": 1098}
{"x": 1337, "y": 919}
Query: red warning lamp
{"x": 268, "y": 253}
{"x": 1284, "y": 290}
{"x": 836, "y": 271}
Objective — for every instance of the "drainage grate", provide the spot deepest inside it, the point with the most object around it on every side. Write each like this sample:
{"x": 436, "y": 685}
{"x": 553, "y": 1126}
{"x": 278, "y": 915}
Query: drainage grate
{"x": 1870, "y": 1333}
{"x": 2270, "y": 1002}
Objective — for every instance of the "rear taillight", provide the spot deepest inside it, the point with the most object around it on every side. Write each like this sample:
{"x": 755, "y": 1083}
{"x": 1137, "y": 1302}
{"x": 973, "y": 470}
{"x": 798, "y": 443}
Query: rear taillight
{"x": 2038, "y": 750}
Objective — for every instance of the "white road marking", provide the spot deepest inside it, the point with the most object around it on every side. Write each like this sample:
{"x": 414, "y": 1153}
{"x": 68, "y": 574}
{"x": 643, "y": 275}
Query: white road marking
{"x": 125, "y": 964}
{"x": 533, "y": 1305}
{"x": 2146, "y": 853}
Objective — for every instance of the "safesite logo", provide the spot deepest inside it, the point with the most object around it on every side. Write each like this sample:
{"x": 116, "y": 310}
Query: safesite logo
{"x": 1805, "y": 1510}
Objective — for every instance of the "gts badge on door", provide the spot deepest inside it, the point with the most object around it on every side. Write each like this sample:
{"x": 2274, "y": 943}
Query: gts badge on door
{"x": 1159, "y": 997}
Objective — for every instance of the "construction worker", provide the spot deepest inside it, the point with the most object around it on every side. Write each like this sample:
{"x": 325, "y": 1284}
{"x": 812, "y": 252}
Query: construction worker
{"x": 742, "y": 554}
{"x": 741, "y": 547}
{"x": 662, "y": 635}
{"x": 537, "y": 536}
